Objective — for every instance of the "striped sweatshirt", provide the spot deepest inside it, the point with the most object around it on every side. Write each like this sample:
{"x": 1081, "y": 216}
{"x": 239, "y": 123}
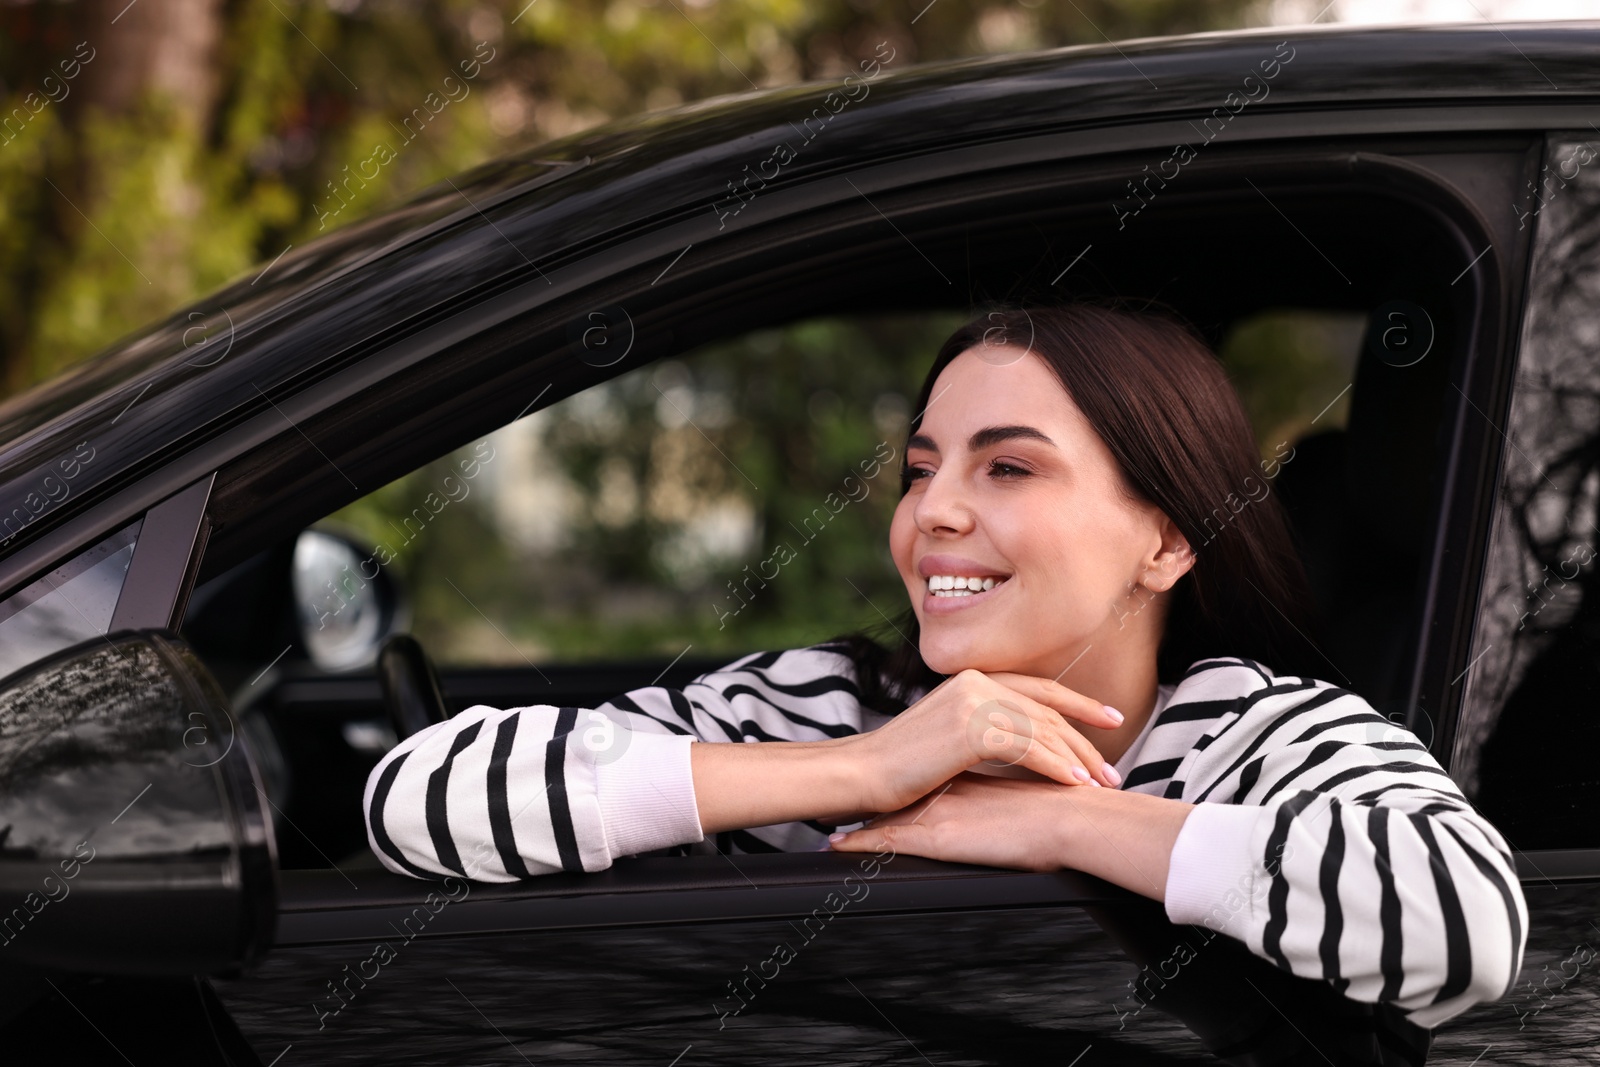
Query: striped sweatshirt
{"x": 1324, "y": 837}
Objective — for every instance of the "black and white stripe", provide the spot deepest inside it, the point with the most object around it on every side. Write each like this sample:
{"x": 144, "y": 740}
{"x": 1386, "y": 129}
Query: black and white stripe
{"x": 1390, "y": 885}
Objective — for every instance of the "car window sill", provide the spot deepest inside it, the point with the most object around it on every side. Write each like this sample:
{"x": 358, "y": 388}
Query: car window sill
{"x": 1558, "y": 865}
{"x": 324, "y": 906}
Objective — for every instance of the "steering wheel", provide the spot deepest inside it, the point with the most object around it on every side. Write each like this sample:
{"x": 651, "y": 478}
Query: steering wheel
{"x": 410, "y": 685}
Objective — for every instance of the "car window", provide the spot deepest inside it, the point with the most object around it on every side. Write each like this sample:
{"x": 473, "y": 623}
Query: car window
{"x": 70, "y": 604}
{"x": 1293, "y": 369}
{"x": 736, "y": 497}
{"x": 1528, "y": 724}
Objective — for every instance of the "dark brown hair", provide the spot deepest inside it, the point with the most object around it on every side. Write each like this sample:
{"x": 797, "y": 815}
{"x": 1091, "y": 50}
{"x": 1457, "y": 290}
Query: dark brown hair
{"x": 1161, "y": 401}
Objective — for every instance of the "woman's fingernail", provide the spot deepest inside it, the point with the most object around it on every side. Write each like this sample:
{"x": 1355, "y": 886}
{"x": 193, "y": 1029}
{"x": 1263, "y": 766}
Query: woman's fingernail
{"x": 1116, "y": 715}
{"x": 834, "y": 839}
{"x": 1112, "y": 776}
{"x": 1081, "y": 775}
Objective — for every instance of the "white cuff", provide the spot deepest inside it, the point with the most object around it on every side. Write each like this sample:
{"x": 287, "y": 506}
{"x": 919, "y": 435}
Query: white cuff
{"x": 1215, "y": 877}
{"x": 646, "y": 795}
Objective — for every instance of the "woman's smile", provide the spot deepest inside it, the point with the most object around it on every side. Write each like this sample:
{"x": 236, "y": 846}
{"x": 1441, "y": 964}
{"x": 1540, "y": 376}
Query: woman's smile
{"x": 940, "y": 601}
{"x": 956, "y": 582}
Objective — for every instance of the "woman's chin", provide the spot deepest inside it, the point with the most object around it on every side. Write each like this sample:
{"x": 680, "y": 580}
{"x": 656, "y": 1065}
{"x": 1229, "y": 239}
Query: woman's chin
{"x": 946, "y": 654}
{"x": 953, "y": 657}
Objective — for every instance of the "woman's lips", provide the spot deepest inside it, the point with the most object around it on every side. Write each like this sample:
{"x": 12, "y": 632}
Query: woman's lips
{"x": 933, "y": 604}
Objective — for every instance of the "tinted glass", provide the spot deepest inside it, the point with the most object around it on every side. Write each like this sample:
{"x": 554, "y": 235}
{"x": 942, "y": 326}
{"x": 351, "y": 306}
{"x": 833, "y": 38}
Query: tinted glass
{"x": 1531, "y": 717}
{"x": 72, "y": 603}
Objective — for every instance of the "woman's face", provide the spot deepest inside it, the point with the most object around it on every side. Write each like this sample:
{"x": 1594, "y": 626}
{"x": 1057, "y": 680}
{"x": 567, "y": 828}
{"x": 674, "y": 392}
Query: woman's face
{"x": 1009, "y": 481}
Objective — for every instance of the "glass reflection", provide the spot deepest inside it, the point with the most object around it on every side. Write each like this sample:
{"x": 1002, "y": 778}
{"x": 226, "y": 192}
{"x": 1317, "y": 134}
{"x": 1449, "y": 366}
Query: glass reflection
{"x": 69, "y": 605}
{"x": 93, "y": 750}
{"x": 1528, "y": 722}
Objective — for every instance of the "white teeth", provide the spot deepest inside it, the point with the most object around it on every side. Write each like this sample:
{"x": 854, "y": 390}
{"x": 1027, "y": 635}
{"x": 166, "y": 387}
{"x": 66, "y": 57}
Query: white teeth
{"x": 960, "y": 585}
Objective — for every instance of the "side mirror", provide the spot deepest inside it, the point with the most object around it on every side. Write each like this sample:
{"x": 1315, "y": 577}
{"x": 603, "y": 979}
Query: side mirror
{"x": 132, "y": 835}
{"x": 345, "y": 602}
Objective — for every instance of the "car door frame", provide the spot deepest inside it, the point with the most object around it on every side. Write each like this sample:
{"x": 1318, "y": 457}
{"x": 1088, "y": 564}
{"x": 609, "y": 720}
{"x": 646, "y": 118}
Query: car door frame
{"x": 283, "y": 432}
{"x": 643, "y": 255}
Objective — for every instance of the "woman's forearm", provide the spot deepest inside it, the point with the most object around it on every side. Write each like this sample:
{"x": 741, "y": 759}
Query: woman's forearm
{"x": 1125, "y": 838}
{"x": 1034, "y": 825}
{"x": 761, "y": 783}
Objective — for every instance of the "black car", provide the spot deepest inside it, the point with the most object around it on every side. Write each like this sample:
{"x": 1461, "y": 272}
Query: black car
{"x": 184, "y": 738}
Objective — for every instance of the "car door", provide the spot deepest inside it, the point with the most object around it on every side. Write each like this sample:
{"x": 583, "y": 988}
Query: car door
{"x": 739, "y": 958}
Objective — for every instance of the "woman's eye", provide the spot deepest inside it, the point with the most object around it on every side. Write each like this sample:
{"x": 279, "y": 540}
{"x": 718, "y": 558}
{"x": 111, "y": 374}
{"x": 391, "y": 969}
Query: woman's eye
{"x": 1006, "y": 470}
{"x": 909, "y": 474}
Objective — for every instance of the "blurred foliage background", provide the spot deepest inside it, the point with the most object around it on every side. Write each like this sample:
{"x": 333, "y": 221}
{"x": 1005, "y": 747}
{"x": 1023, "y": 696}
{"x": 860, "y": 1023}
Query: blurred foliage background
{"x": 153, "y": 150}
{"x": 735, "y": 499}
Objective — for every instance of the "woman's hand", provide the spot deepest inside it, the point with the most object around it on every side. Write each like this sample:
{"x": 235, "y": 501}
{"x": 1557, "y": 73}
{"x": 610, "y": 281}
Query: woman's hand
{"x": 1125, "y": 838}
{"x": 974, "y": 818}
{"x": 972, "y": 716}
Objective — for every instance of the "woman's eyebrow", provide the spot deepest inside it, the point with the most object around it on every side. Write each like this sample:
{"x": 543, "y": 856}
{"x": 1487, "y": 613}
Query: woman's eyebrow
{"x": 989, "y": 435}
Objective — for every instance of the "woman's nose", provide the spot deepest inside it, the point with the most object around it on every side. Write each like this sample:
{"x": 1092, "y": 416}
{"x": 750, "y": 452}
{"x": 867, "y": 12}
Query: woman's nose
{"x": 943, "y": 504}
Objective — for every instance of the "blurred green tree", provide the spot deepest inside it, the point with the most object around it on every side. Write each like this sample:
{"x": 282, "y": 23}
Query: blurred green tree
{"x": 151, "y": 150}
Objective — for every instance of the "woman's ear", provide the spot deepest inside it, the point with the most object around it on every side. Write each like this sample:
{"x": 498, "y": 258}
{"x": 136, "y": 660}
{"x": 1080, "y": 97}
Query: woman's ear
{"x": 1171, "y": 561}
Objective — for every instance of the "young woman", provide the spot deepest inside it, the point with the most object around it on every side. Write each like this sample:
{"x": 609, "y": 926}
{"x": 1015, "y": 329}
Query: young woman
{"x": 1093, "y": 674}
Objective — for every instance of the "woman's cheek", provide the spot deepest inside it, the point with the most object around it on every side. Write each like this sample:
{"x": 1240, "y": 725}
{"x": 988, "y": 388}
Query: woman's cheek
{"x": 902, "y": 534}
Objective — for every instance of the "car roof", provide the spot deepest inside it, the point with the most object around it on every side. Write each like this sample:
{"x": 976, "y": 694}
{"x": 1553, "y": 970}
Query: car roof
{"x": 322, "y": 304}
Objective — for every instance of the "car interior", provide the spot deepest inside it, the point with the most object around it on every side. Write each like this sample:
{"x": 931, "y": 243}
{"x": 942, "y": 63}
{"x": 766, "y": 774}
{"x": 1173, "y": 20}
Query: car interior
{"x": 1280, "y": 259}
